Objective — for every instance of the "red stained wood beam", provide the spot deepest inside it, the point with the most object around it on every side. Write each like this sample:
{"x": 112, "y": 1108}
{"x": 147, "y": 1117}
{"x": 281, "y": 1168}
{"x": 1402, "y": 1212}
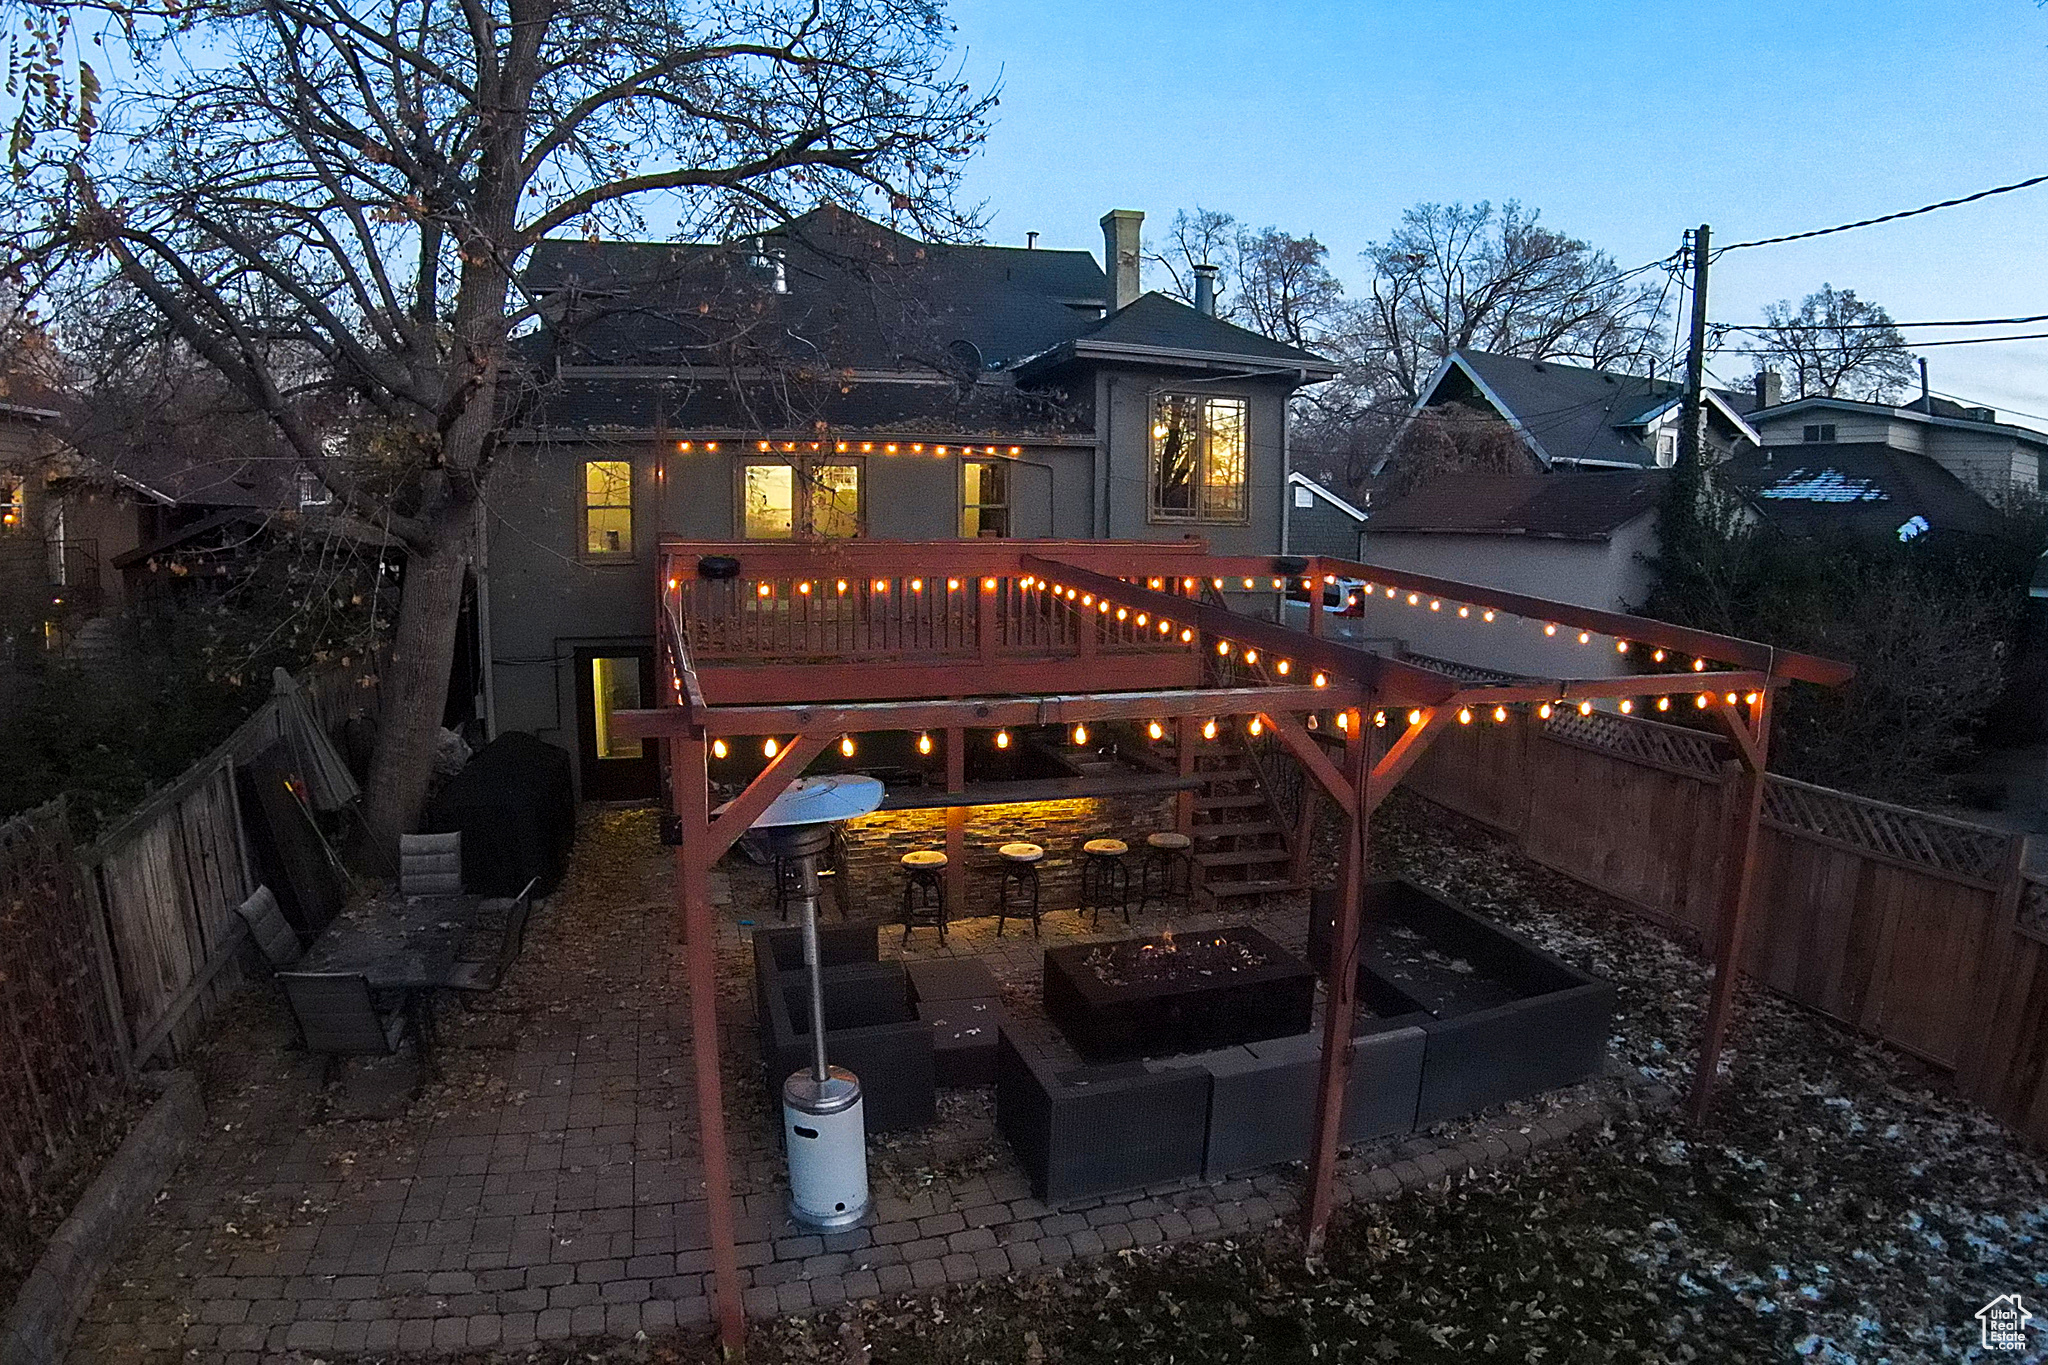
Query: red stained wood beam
{"x": 1340, "y": 1003}
{"x": 1738, "y": 876}
{"x": 1396, "y": 681}
{"x": 1310, "y": 755}
{"x": 833, "y": 719}
{"x": 1401, "y": 755}
{"x": 901, "y": 558}
{"x": 1778, "y": 663}
{"x": 736, "y": 816}
{"x": 1628, "y": 685}
{"x": 885, "y": 680}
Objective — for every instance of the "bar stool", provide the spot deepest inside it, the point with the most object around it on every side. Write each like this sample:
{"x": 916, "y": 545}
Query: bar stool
{"x": 1105, "y": 880}
{"x": 1166, "y": 852}
{"x": 924, "y": 890}
{"x": 1020, "y": 869}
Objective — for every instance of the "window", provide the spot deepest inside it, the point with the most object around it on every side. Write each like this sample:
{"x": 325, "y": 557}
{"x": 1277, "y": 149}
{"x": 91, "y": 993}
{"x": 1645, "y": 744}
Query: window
{"x": 1198, "y": 464}
{"x": 1303, "y": 498}
{"x": 608, "y": 507}
{"x": 1824, "y": 431}
{"x": 312, "y": 492}
{"x": 13, "y": 512}
{"x": 985, "y": 498}
{"x": 784, "y": 499}
{"x": 1667, "y": 448}
{"x": 614, "y": 686}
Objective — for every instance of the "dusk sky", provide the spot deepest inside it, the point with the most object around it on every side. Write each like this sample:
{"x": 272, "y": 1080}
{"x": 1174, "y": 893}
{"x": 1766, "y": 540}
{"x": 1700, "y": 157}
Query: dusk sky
{"x": 1625, "y": 123}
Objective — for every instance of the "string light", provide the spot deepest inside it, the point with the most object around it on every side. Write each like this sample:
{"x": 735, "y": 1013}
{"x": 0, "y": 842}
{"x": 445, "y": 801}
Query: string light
{"x": 1103, "y": 606}
{"x": 1143, "y": 618}
{"x": 1488, "y": 616}
{"x": 1657, "y": 657}
{"x": 1223, "y": 646}
{"x": 769, "y": 747}
{"x": 1627, "y": 706}
{"x": 917, "y": 585}
{"x": 1256, "y": 727}
{"x": 846, "y": 746}
{"x": 1379, "y": 720}
{"x": 1663, "y": 703}
{"x": 1464, "y": 715}
{"x": 1187, "y": 636}
{"x": 718, "y": 749}
{"x": 1320, "y": 680}
{"x": 804, "y": 588}
{"x": 1500, "y": 714}
{"x": 1621, "y": 646}
{"x": 953, "y": 585}
{"x": 763, "y": 590}
{"x": 1247, "y": 585}
{"x": 1313, "y": 723}
{"x": 1585, "y": 708}
{"x": 1002, "y": 739}
{"x": 1435, "y": 605}
{"x": 1080, "y": 734}
{"x": 1585, "y": 637}
{"x": 1550, "y": 628}
{"x": 1344, "y": 720}
{"x": 1165, "y": 627}
{"x": 1701, "y": 701}
{"x": 1464, "y": 612}
{"x": 1699, "y": 665}
{"x": 1087, "y": 599}
{"x": 1731, "y": 699}
{"x": 1415, "y": 717}
{"x": 1543, "y": 711}
{"x": 1155, "y": 730}
{"x": 1414, "y": 598}
{"x": 842, "y": 586}
{"x": 881, "y": 585}
{"x": 1251, "y": 656}
{"x": 924, "y": 742}
{"x": 1282, "y": 667}
{"x": 1750, "y": 698}
{"x": 1209, "y": 728}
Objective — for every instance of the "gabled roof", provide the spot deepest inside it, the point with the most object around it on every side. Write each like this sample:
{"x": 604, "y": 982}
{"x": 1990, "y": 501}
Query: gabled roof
{"x": 1158, "y": 329}
{"x": 1912, "y": 412}
{"x": 1861, "y": 487}
{"x": 1573, "y": 415}
{"x": 1301, "y": 480}
{"x": 1573, "y": 506}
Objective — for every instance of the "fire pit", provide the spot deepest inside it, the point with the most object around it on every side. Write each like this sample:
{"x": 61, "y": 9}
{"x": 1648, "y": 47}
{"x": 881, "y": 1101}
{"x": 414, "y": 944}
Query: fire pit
{"x": 1156, "y": 997}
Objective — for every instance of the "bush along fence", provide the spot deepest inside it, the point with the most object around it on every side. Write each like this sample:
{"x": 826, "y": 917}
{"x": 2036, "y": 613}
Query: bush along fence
{"x": 118, "y": 953}
{"x": 1917, "y": 929}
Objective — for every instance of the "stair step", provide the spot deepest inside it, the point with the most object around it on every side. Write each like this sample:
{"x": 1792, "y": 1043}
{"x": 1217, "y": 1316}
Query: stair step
{"x": 1240, "y": 857}
{"x": 1219, "y": 890}
{"x": 1244, "y": 830}
{"x": 1230, "y": 801}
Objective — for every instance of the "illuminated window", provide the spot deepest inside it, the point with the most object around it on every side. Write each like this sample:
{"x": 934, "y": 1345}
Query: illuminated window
{"x": 13, "y": 513}
{"x": 783, "y": 499}
{"x": 614, "y": 686}
{"x": 608, "y": 507}
{"x": 1199, "y": 460}
{"x": 985, "y": 498}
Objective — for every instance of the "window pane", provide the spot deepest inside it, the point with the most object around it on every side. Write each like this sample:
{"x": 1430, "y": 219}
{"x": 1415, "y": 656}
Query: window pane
{"x": 770, "y": 502}
{"x": 1223, "y": 474}
{"x": 985, "y": 509}
{"x": 608, "y": 507}
{"x": 835, "y": 499}
{"x": 1175, "y": 453}
{"x": 614, "y": 686}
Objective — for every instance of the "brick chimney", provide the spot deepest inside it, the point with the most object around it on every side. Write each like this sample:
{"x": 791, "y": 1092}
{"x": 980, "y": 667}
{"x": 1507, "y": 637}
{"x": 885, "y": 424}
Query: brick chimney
{"x": 1120, "y": 254}
{"x": 1770, "y": 388}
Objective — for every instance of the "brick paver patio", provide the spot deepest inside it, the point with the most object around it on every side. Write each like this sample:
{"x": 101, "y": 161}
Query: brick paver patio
{"x": 543, "y": 1184}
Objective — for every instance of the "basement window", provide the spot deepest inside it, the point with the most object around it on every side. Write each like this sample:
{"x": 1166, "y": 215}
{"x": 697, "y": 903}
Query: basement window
{"x": 608, "y": 508}
{"x": 1199, "y": 459}
{"x": 985, "y": 499}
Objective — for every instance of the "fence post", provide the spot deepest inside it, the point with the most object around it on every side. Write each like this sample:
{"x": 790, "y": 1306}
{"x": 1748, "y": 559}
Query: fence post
{"x": 1979, "y": 1059}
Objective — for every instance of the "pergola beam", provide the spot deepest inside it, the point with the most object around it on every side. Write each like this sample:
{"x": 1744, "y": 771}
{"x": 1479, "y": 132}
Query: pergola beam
{"x": 1738, "y": 874}
{"x": 1310, "y": 755}
{"x": 738, "y": 815}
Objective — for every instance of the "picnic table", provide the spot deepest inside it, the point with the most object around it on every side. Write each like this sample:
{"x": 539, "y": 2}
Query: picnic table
{"x": 401, "y": 943}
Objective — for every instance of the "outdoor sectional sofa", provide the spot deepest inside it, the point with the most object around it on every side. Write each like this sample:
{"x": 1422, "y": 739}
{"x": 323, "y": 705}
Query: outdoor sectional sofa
{"x": 1092, "y": 1129}
{"x": 871, "y": 1028}
{"x": 1544, "y": 1024}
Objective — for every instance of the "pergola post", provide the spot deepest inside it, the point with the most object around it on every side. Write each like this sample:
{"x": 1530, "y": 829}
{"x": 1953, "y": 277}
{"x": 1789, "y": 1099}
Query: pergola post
{"x": 956, "y": 816}
{"x": 1340, "y": 997}
{"x": 1752, "y": 746}
{"x": 690, "y": 784}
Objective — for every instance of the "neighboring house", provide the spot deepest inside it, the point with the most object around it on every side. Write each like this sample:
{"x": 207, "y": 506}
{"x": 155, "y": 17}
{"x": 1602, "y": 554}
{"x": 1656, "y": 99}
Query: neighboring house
{"x": 1969, "y": 442}
{"x": 1572, "y": 417}
{"x": 1860, "y": 488}
{"x": 834, "y": 379}
{"x": 1584, "y": 538}
{"x": 49, "y": 568}
{"x": 1318, "y": 522}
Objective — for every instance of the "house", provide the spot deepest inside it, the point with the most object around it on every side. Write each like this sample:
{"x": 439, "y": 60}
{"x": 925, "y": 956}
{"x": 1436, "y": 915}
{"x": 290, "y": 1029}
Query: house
{"x": 1586, "y": 538}
{"x": 1571, "y": 417}
{"x": 1969, "y": 442}
{"x": 1862, "y": 488}
{"x": 1318, "y": 522}
{"x": 838, "y": 378}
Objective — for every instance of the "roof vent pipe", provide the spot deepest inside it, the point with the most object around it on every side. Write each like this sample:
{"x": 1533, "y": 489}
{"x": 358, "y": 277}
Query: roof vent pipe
{"x": 1205, "y": 289}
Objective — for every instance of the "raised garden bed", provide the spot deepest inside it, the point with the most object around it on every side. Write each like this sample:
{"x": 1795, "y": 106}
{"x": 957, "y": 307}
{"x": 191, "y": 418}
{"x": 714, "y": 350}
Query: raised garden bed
{"x": 1504, "y": 1019}
{"x": 1161, "y": 996}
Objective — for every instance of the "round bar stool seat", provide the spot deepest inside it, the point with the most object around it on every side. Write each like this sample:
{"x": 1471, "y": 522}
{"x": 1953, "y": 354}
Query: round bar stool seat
{"x": 1020, "y": 869}
{"x": 924, "y": 890}
{"x": 1167, "y": 852}
{"x": 1105, "y": 878}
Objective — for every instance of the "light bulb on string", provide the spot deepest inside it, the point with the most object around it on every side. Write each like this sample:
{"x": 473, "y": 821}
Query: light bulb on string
{"x": 1002, "y": 739}
{"x": 846, "y": 746}
{"x": 1251, "y": 656}
{"x": 1585, "y": 708}
{"x": 1415, "y": 717}
{"x": 1663, "y": 703}
{"x": 1627, "y": 706}
{"x": 769, "y": 748}
{"x": 924, "y": 743}
{"x": 1550, "y": 628}
{"x": 1255, "y": 728}
{"x": 1344, "y": 721}
{"x": 1500, "y": 714}
{"x": 1080, "y": 734}
{"x": 718, "y": 749}
{"x": 1155, "y": 730}
{"x": 1464, "y": 715}
{"x": 1543, "y": 711}
{"x": 1209, "y": 728}
{"x": 1657, "y": 657}
{"x": 1585, "y": 637}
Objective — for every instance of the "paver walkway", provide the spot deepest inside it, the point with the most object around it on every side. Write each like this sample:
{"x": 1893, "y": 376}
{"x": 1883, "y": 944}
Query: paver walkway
{"x": 545, "y": 1184}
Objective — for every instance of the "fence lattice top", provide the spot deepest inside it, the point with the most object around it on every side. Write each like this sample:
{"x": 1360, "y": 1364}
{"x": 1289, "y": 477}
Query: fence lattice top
{"x": 2033, "y": 912}
{"x": 1464, "y": 673}
{"x": 1908, "y": 836}
{"x": 1645, "y": 741}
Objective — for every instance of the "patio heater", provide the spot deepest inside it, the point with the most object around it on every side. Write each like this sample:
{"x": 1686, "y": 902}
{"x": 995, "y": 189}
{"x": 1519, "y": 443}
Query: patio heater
{"x": 823, "y": 1129}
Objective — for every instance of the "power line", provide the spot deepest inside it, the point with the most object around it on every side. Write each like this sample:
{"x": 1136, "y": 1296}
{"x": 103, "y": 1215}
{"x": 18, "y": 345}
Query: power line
{"x": 1873, "y": 326}
{"x": 1889, "y": 217}
{"x": 1921, "y": 345}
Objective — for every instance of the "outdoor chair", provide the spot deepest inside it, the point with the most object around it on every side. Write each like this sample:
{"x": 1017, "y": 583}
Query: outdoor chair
{"x": 476, "y": 977}
{"x": 338, "y": 1016}
{"x": 273, "y": 934}
{"x": 430, "y": 864}
{"x": 1096, "y": 1129}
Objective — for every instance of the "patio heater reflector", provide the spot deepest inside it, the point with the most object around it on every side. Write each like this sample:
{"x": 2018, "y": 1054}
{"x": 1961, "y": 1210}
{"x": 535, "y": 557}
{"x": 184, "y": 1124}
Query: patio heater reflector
{"x": 824, "y": 1131}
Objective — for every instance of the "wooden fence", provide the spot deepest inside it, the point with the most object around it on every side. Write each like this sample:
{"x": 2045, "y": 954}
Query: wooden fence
{"x": 1920, "y": 930}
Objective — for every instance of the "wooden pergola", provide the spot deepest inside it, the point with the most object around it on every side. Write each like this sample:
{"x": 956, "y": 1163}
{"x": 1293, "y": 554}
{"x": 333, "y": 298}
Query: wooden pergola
{"x": 808, "y": 642}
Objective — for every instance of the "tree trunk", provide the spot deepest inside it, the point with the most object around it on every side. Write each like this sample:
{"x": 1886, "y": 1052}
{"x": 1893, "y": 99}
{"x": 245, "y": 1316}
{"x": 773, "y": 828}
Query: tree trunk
{"x": 413, "y": 687}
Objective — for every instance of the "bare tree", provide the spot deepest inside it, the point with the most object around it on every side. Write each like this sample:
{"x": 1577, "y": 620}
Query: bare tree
{"x": 1453, "y": 440}
{"x": 295, "y": 180}
{"x": 1835, "y": 345}
{"x": 1270, "y": 281}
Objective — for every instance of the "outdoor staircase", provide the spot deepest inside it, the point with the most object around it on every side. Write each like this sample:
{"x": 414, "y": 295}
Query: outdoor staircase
{"x": 1240, "y": 844}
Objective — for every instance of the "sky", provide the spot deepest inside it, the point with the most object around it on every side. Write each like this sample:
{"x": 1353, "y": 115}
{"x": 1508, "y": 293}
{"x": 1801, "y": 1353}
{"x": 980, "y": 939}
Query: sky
{"x": 1624, "y": 123}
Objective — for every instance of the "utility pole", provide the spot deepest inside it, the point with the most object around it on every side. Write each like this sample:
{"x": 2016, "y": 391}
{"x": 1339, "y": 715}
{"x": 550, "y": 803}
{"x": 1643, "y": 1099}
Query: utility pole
{"x": 1696, "y": 355}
